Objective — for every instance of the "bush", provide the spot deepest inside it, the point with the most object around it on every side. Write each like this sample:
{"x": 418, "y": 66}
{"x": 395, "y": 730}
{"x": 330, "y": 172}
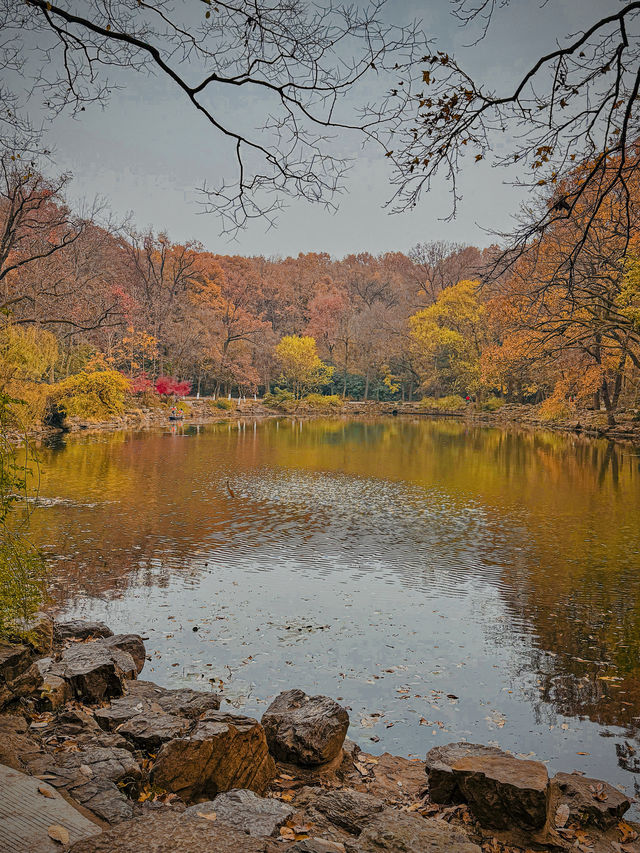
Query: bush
{"x": 554, "y": 409}
{"x": 492, "y": 404}
{"x": 22, "y": 583}
{"x": 223, "y": 403}
{"x": 451, "y": 403}
{"x": 280, "y": 399}
{"x": 91, "y": 396}
{"x": 322, "y": 403}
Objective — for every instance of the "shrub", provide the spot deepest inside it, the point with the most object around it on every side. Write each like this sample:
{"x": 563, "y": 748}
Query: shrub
{"x": 323, "y": 403}
{"x": 280, "y": 399}
{"x": 22, "y": 583}
{"x": 554, "y": 409}
{"x": 453, "y": 402}
{"x": 492, "y": 404}
{"x": 222, "y": 403}
{"x": 168, "y": 386}
{"x": 91, "y": 396}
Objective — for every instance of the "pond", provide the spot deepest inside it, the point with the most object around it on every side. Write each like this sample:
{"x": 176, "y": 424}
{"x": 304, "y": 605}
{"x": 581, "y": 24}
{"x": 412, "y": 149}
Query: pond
{"x": 444, "y": 582}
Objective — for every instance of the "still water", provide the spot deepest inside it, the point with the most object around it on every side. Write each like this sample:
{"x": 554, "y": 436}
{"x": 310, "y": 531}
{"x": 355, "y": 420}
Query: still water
{"x": 445, "y": 582}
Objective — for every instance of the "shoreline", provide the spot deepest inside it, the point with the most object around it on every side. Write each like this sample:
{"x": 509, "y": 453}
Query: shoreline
{"x": 585, "y": 423}
{"x": 139, "y": 760}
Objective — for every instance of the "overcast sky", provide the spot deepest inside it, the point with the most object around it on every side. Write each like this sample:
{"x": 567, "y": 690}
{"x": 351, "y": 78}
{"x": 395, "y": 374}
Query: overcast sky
{"x": 149, "y": 151}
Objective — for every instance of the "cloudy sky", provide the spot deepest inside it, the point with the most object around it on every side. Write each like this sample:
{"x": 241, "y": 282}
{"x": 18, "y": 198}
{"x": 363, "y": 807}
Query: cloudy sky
{"x": 149, "y": 151}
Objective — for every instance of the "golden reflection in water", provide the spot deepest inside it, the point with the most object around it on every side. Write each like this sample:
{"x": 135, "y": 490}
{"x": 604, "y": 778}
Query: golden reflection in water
{"x": 556, "y": 524}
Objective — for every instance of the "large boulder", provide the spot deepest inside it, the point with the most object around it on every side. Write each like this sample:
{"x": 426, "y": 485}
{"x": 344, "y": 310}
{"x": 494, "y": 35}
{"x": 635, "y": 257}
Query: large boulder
{"x": 94, "y": 672}
{"x": 349, "y": 809}
{"x": 589, "y": 801}
{"x": 305, "y": 730}
{"x": 223, "y": 751}
{"x": 14, "y": 660}
{"x": 245, "y": 811}
{"x": 151, "y": 729}
{"x": 79, "y": 629}
{"x": 131, "y": 643}
{"x": 144, "y": 696}
{"x": 443, "y": 782}
{"x": 503, "y": 791}
{"x": 94, "y": 777}
{"x": 164, "y": 832}
{"x": 394, "y": 832}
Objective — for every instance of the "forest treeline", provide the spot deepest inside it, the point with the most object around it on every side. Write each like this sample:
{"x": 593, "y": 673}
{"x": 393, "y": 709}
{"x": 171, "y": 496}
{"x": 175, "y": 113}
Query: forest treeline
{"x": 80, "y": 298}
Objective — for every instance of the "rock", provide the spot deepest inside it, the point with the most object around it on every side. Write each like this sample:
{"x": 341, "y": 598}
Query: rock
{"x": 316, "y": 845}
{"x": 590, "y": 801}
{"x": 93, "y": 777}
{"x": 144, "y": 696}
{"x": 443, "y": 787}
{"x": 224, "y": 751}
{"x": 503, "y": 791}
{"x": 395, "y": 832}
{"x": 245, "y": 811}
{"x": 305, "y": 730}
{"x": 38, "y": 632}
{"x": 165, "y": 832}
{"x": 94, "y": 672}
{"x": 131, "y": 643}
{"x": 349, "y": 809}
{"x": 14, "y": 660}
{"x": 151, "y": 729}
{"x": 78, "y": 629}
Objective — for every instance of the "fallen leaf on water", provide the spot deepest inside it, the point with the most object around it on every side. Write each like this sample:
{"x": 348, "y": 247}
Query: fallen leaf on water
{"x": 583, "y": 753}
{"x": 562, "y": 814}
{"x": 46, "y": 792}
{"x": 58, "y": 833}
{"x": 208, "y": 815}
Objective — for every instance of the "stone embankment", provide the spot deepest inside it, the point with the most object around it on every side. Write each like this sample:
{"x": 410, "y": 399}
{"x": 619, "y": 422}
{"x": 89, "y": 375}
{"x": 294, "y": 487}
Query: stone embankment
{"x": 158, "y": 770}
{"x": 203, "y": 411}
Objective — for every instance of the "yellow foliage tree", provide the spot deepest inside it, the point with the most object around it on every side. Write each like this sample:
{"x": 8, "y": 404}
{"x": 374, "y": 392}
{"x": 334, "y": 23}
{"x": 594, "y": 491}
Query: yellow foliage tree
{"x": 302, "y": 368}
{"x": 448, "y": 338}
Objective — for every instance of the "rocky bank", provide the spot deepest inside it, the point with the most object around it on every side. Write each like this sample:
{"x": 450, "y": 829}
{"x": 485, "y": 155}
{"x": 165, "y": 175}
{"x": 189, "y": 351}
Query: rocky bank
{"x": 171, "y": 770}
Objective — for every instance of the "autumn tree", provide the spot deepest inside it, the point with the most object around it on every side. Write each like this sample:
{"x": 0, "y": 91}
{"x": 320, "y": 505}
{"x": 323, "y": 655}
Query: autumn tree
{"x": 449, "y": 338}
{"x": 301, "y": 366}
{"x": 578, "y": 102}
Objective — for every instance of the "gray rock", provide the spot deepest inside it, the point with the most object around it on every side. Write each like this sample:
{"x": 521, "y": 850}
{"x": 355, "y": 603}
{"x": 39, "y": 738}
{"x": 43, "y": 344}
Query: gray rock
{"x": 316, "y": 845}
{"x": 79, "y": 629}
{"x": 151, "y": 729}
{"x": 305, "y": 730}
{"x": 245, "y": 811}
{"x": 144, "y": 696}
{"x": 93, "y": 777}
{"x": 352, "y": 810}
{"x": 443, "y": 786}
{"x": 224, "y": 751}
{"x": 590, "y": 801}
{"x": 131, "y": 643}
{"x": 94, "y": 672}
{"x": 394, "y": 832}
{"x": 14, "y": 660}
{"x": 503, "y": 791}
{"x": 163, "y": 832}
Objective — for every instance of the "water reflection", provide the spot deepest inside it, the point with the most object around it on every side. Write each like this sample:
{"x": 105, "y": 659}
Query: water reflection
{"x": 391, "y": 563}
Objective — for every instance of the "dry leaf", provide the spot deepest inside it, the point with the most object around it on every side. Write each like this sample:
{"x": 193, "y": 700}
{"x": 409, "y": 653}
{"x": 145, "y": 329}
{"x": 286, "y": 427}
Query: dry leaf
{"x": 208, "y": 815}
{"x": 46, "y": 792}
{"x": 562, "y": 814}
{"x": 288, "y": 833}
{"x": 58, "y": 833}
